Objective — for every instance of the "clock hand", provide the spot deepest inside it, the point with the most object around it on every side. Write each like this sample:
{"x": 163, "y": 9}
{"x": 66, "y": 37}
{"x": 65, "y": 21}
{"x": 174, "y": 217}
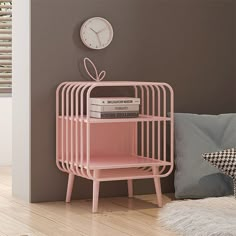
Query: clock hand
{"x": 99, "y": 40}
{"x": 101, "y": 30}
{"x": 94, "y": 30}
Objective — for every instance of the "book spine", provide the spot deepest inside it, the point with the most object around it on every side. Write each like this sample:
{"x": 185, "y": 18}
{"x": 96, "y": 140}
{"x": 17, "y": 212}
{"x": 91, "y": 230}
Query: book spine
{"x": 114, "y": 115}
{"x": 111, "y": 108}
{"x": 114, "y": 101}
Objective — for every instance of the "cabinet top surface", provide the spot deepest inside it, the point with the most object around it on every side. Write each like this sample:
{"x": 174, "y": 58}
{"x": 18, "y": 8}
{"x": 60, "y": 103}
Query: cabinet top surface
{"x": 117, "y": 83}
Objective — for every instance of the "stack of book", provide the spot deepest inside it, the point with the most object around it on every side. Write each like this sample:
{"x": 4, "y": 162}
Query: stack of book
{"x": 114, "y": 107}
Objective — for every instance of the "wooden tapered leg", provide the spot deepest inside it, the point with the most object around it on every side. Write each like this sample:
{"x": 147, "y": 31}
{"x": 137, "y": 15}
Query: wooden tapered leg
{"x": 130, "y": 187}
{"x": 157, "y": 183}
{"x": 70, "y": 184}
{"x": 96, "y": 185}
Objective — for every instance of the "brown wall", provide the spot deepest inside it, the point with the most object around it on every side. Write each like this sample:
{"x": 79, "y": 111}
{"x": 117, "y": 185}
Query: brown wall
{"x": 187, "y": 43}
{"x": 234, "y": 92}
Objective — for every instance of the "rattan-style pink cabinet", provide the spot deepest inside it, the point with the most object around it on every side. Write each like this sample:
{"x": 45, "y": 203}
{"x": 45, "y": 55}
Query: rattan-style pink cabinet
{"x": 115, "y": 149}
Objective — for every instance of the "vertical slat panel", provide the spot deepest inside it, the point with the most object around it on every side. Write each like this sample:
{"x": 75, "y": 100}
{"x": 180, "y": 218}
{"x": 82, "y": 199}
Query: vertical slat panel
{"x": 5, "y": 46}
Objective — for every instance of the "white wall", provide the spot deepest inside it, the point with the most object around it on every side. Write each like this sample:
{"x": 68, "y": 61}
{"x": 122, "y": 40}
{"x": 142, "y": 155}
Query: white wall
{"x": 21, "y": 99}
{"x": 5, "y": 131}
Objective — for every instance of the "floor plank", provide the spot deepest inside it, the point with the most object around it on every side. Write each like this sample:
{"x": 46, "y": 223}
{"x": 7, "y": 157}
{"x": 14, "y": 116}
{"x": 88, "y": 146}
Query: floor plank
{"x": 117, "y": 216}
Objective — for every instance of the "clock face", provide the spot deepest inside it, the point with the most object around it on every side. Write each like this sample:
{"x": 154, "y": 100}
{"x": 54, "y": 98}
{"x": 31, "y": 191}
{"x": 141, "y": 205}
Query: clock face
{"x": 96, "y": 33}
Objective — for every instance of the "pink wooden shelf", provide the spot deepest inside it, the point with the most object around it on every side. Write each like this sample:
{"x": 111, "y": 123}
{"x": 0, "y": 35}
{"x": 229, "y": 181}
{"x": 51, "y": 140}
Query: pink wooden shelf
{"x": 124, "y": 162}
{"x": 121, "y": 120}
{"x": 114, "y": 162}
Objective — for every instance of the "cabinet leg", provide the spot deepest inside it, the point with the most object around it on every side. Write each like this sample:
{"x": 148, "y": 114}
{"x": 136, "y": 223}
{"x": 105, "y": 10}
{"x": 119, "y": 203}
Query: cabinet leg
{"x": 157, "y": 183}
{"x": 130, "y": 187}
{"x": 70, "y": 184}
{"x": 96, "y": 185}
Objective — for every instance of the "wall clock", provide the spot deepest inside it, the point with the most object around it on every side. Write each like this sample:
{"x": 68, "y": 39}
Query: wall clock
{"x": 96, "y": 33}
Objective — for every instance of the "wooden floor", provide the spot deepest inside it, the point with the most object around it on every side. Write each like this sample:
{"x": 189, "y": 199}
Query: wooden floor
{"x": 116, "y": 217}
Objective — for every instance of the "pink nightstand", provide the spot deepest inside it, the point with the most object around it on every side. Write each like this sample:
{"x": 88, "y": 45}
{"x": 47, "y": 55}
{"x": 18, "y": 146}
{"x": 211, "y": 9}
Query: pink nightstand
{"x": 115, "y": 149}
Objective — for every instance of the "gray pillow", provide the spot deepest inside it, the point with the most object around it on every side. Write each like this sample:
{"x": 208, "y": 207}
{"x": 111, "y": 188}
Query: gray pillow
{"x": 195, "y": 135}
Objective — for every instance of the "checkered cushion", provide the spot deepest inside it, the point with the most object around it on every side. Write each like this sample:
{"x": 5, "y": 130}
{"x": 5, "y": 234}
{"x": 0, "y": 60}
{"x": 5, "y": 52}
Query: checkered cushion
{"x": 225, "y": 161}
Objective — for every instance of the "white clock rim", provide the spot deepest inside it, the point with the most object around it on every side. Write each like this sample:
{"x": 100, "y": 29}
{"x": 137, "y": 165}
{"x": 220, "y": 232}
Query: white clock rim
{"x": 108, "y": 23}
